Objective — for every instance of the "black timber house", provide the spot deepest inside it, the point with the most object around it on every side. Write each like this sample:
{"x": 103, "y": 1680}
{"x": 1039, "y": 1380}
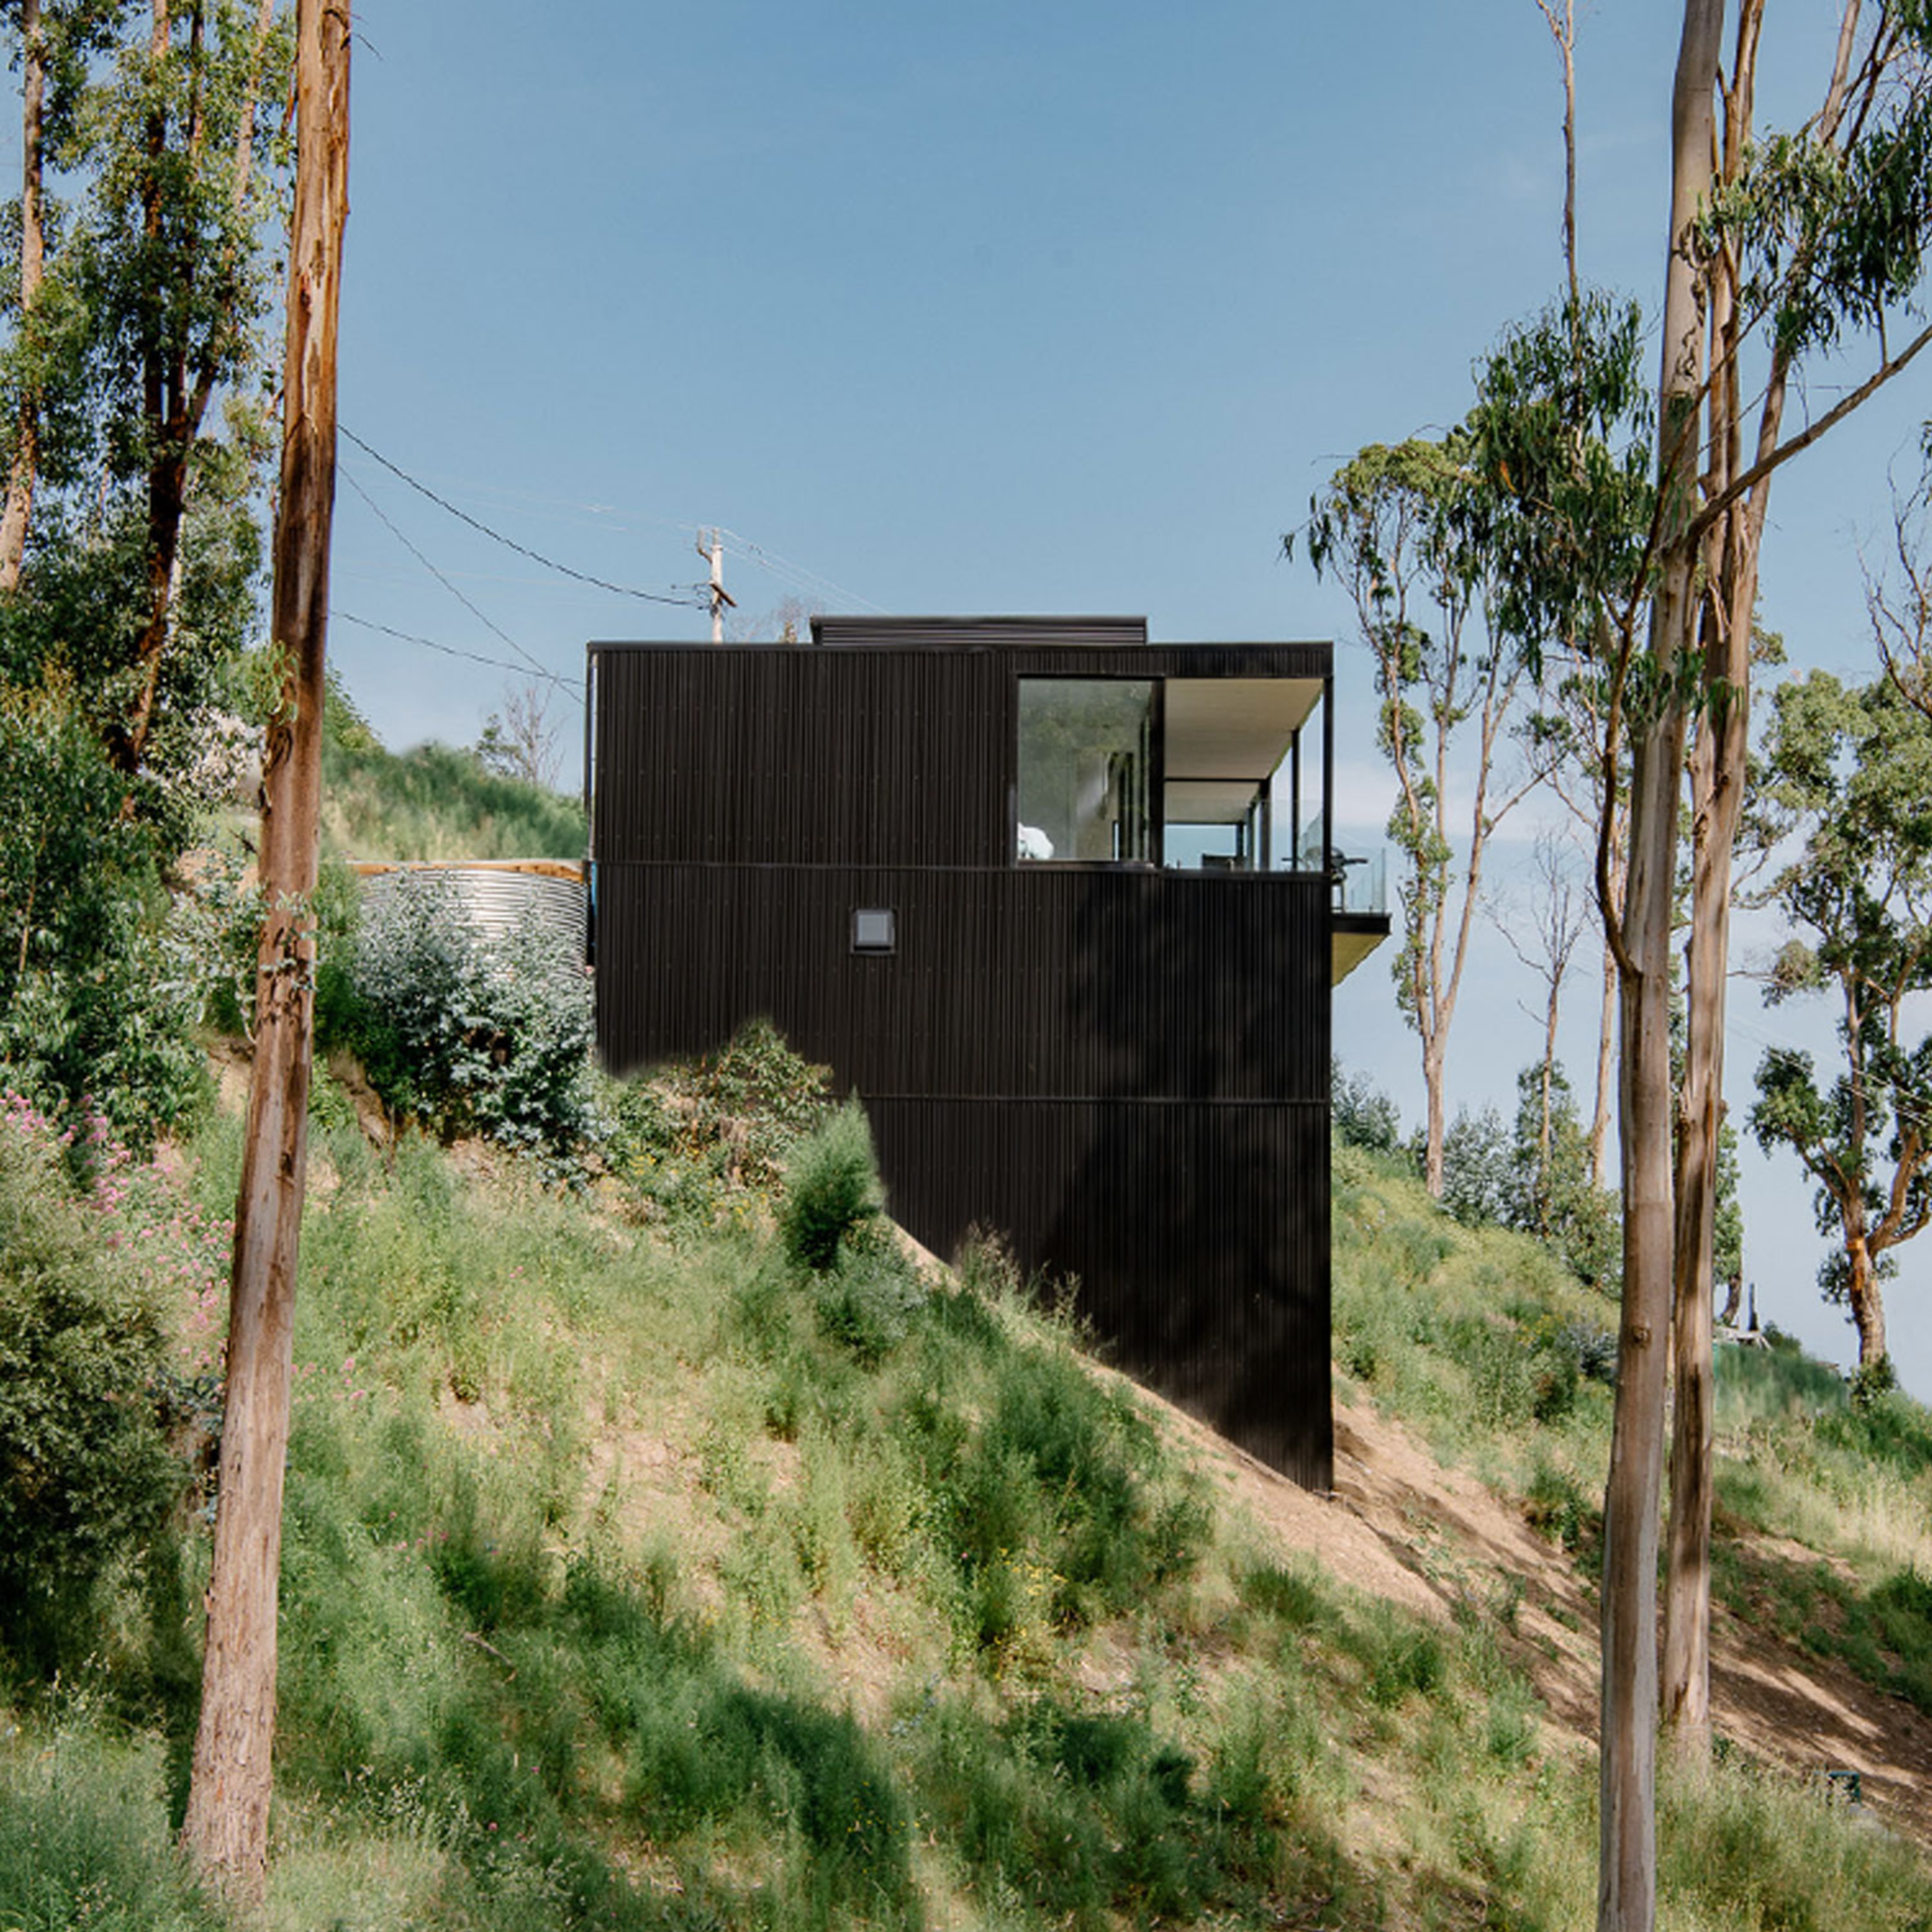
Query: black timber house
{"x": 1063, "y": 906}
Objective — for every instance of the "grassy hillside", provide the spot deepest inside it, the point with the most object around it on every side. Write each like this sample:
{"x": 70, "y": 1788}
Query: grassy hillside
{"x": 640, "y": 1574}
{"x": 433, "y": 802}
{"x": 1504, "y": 1363}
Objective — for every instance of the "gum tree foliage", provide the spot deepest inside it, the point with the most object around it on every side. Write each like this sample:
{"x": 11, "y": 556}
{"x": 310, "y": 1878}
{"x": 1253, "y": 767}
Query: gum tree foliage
{"x": 130, "y": 412}
{"x": 1392, "y": 524}
{"x": 139, "y": 561}
{"x": 1509, "y": 1175}
{"x": 1560, "y": 432}
{"x": 1777, "y": 250}
{"x": 1849, "y": 773}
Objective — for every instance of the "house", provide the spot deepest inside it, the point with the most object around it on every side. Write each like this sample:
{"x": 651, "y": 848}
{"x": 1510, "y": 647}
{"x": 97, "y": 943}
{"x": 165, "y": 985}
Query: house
{"x": 1063, "y": 906}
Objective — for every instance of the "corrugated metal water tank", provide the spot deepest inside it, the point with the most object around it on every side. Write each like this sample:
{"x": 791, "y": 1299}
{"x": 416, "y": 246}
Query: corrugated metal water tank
{"x": 494, "y": 895}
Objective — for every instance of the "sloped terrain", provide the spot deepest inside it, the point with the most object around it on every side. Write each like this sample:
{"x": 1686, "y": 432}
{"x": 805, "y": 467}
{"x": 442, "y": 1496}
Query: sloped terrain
{"x": 639, "y": 1573}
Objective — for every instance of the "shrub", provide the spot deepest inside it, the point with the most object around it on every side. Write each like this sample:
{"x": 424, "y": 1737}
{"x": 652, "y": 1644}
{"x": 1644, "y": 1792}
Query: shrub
{"x": 867, "y": 1299}
{"x": 1871, "y": 1382}
{"x": 86, "y": 1478}
{"x": 471, "y": 1035}
{"x": 697, "y": 1133}
{"x": 1363, "y": 1116}
{"x": 93, "y": 999}
{"x": 1479, "y": 1177}
{"x": 834, "y": 1190}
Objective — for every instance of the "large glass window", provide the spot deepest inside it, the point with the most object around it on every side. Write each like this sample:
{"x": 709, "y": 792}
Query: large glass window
{"x": 1086, "y": 757}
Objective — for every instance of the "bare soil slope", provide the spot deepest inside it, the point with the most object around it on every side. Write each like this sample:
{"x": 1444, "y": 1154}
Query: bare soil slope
{"x": 1401, "y": 1526}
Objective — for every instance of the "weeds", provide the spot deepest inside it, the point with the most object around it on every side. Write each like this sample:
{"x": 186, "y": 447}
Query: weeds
{"x": 639, "y": 1573}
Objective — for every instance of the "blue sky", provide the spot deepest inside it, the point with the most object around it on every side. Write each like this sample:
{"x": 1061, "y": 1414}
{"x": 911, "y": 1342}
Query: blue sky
{"x": 1045, "y": 307}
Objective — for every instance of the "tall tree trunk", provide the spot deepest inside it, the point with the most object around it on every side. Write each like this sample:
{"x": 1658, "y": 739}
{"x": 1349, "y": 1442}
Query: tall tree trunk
{"x": 1866, "y": 1300}
{"x": 1627, "y": 1874}
{"x": 1606, "y": 1071}
{"x": 1434, "y": 1129}
{"x": 226, "y": 1829}
{"x": 24, "y": 470}
{"x": 1718, "y": 778}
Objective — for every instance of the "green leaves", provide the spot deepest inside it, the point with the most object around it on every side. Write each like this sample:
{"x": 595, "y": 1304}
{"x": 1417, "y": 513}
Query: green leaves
{"x": 1847, "y": 772}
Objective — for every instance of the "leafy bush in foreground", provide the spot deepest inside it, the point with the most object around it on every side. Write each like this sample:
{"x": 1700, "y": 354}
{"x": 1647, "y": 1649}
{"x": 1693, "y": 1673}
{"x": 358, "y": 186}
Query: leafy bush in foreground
{"x": 696, "y": 1140}
{"x": 833, "y": 1190}
{"x": 95, "y": 1004}
{"x": 86, "y": 1476}
{"x": 469, "y": 1034}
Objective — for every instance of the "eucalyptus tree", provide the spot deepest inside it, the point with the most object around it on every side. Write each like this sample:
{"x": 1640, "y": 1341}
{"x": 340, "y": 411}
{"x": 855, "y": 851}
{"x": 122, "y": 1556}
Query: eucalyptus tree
{"x": 135, "y": 383}
{"x": 175, "y": 284}
{"x": 1786, "y": 246}
{"x": 1392, "y": 525}
{"x": 54, "y": 42}
{"x": 1848, "y": 772}
{"x": 1545, "y": 940}
{"x": 1780, "y": 250}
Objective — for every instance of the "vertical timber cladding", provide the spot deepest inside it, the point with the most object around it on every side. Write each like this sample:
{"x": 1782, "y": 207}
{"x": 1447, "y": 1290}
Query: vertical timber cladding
{"x": 1125, "y": 1071}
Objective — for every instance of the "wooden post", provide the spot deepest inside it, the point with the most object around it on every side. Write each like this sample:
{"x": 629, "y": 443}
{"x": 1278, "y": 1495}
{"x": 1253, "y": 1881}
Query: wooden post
{"x": 226, "y": 1829}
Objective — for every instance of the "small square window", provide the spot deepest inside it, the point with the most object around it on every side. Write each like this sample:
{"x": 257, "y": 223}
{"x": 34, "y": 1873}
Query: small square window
{"x": 873, "y": 930}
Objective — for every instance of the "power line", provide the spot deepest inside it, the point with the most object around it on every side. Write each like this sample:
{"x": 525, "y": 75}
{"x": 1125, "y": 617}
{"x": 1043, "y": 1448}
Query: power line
{"x": 689, "y": 600}
{"x": 808, "y": 580}
{"x": 487, "y": 623}
{"x": 571, "y": 687}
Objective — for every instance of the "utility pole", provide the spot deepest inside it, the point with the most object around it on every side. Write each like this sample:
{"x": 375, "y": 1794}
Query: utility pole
{"x": 225, "y": 1831}
{"x": 711, "y": 548}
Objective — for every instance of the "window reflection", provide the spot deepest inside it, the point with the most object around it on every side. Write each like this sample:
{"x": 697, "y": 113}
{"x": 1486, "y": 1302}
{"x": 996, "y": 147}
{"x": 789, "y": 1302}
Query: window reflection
{"x": 1086, "y": 751}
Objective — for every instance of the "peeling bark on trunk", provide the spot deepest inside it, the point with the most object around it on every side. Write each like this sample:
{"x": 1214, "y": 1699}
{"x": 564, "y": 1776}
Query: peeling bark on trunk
{"x": 1867, "y": 1302}
{"x": 1626, "y": 1873}
{"x": 226, "y": 1829}
{"x": 1606, "y": 1075}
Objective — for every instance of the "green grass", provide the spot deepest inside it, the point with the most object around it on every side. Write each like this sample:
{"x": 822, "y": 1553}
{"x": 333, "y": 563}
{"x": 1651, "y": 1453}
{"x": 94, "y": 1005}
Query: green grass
{"x": 435, "y": 802}
{"x": 639, "y": 1573}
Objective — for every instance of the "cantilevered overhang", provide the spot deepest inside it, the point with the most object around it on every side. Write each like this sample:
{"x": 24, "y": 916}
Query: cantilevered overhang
{"x": 1354, "y": 936}
{"x": 1230, "y": 728}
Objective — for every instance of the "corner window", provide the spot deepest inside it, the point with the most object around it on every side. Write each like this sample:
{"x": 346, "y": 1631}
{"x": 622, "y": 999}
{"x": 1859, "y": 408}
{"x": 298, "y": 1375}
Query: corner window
{"x": 1086, "y": 759}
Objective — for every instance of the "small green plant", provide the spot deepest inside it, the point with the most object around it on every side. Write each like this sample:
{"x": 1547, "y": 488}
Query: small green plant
{"x": 1556, "y": 1504}
{"x": 1873, "y": 1381}
{"x": 833, "y": 1190}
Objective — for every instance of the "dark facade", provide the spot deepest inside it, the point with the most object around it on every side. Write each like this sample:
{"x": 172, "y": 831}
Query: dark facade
{"x": 1106, "y": 1035}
